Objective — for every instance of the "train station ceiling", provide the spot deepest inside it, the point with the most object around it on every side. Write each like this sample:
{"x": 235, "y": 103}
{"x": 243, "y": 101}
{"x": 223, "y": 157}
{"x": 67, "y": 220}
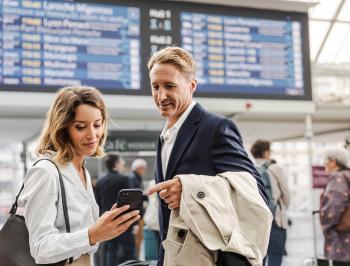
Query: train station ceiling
{"x": 329, "y": 22}
{"x": 329, "y": 34}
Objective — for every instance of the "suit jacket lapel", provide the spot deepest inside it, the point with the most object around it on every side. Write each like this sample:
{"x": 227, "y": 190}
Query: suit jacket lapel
{"x": 159, "y": 171}
{"x": 183, "y": 139}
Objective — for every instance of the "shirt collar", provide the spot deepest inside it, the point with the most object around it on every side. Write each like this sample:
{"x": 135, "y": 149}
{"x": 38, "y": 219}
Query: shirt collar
{"x": 166, "y": 131}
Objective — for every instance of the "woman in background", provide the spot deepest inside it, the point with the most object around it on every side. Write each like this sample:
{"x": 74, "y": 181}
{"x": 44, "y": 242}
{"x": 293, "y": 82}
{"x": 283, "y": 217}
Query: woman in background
{"x": 334, "y": 200}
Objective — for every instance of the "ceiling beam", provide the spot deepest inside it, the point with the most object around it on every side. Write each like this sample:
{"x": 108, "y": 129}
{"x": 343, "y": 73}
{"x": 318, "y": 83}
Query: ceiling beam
{"x": 333, "y": 21}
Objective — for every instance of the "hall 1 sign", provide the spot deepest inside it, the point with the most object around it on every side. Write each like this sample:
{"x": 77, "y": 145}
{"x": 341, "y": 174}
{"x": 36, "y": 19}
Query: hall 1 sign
{"x": 319, "y": 177}
{"x": 132, "y": 141}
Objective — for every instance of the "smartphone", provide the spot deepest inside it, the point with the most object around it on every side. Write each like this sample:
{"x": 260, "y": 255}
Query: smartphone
{"x": 132, "y": 197}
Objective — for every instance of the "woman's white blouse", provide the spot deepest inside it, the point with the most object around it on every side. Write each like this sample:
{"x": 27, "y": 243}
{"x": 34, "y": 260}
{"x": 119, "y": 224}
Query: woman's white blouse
{"x": 43, "y": 211}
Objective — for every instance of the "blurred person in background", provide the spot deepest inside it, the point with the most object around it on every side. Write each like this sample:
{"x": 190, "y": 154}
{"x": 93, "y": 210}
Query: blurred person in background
{"x": 334, "y": 200}
{"x": 279, "y": 200}
{"x": 75, "y": 128}
{"x": 139, "y": 169}
{"x": 121, "y": 248}
{"x": 150, "y": 219}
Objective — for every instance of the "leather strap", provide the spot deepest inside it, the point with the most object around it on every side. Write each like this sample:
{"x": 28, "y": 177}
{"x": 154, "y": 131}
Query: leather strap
{"x": 63, "y": 194}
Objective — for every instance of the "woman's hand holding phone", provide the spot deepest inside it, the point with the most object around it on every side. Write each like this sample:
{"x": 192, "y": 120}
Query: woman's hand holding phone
{"x": 112, "y": 224}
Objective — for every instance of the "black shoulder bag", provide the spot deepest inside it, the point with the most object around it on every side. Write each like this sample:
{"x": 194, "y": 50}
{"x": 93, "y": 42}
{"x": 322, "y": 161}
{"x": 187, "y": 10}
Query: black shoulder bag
{"x": 14, "y": 239}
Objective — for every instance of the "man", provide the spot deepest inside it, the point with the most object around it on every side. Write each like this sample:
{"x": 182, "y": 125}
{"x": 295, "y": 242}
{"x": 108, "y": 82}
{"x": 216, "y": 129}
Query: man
{"x": 193, "y": 141}
{"x": 139, "y": 168}
{"x": 276, "y": 187}
{"x": 122, "y": 248}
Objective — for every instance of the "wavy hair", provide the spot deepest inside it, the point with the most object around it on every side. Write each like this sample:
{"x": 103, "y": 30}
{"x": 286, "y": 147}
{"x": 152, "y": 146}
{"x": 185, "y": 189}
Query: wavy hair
{"x": 54, "y": 139}
{"x": 176, "y": 56}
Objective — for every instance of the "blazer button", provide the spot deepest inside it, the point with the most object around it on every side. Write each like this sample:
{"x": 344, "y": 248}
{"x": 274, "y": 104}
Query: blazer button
{"x": 201, "y": 195}
{"x": 181, "y": 233}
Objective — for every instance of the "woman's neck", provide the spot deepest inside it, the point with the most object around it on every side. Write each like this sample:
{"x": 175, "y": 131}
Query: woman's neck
{"x": 78, "y": 163}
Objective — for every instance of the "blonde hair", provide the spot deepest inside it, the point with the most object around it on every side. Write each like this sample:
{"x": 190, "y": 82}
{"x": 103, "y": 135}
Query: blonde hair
{"x": 54, "y": 138}
{"x": 176, "y": 56}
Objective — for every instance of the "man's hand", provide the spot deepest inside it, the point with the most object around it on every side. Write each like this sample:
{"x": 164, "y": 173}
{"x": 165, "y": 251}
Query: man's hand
{"x": 170, "y": 191}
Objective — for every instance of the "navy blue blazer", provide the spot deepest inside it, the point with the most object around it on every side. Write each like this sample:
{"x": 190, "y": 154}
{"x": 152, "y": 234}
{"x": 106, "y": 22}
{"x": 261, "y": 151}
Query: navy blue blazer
{"x": 206, "y": 144}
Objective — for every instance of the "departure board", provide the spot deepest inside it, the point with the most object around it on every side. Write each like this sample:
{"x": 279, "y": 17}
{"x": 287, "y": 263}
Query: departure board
{"x": 56, "y": 43}
{"x": 244, "y": 55}
{"x": 240, "y": 52}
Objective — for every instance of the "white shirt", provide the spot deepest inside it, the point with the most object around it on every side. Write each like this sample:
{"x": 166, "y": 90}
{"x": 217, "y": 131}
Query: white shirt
{"x": 43, "y": 211}
{"x": 168, "y": 137}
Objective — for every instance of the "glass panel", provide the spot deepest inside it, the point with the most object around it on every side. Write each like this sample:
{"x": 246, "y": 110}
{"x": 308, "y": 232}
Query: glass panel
{"x": 325, "y": 9}
{"x": 318, "y": 30}
{"x": 343, "y": 54}
{"x": 345, "y": 12}
{"x": 334, "y": 43}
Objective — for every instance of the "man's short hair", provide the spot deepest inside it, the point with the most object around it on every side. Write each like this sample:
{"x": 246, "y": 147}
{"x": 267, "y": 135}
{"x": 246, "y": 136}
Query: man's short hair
{"x": 111, "y": 160}
{"x": 176, "y": 56}
{"x": 138, "y": 163}
{"x": 259, "y": 147}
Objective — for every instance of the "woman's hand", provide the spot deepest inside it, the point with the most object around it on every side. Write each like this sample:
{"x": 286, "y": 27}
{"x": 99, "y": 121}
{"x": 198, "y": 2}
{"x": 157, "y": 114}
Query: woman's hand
{"x": 112, "y": 224}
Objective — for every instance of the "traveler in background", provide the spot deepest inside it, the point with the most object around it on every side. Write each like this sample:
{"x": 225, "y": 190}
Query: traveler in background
{"x": 139, "y": 169}
{"x": 279, "y": 201}
{"x": 150, "y": 219}
{"x": 334, "y": 200}
{"x": 193, "y": 140}
{"x": 75, "y": 128}
{"x": 121, "y": 248}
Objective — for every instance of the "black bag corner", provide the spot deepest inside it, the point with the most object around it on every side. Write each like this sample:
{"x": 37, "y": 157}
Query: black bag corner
{"x": 14, "y": 240}
{"x": 14, "y": 236}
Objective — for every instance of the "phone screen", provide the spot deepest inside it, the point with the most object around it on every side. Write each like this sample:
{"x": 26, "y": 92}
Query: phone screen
{"x": 132, "y": 197}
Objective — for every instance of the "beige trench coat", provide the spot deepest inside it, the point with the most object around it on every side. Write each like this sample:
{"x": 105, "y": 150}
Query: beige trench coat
{"x": 223, "y": 212}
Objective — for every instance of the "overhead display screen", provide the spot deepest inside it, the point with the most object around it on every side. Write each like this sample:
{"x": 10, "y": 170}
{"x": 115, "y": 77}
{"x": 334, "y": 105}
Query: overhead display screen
{"x": 56, "y": 43}
{"x": 244, "y": 55}
{"x": 240, "y": 52}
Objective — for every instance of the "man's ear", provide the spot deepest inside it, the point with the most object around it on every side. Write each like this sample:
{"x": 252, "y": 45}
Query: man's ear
{"x": 193, "y": 85}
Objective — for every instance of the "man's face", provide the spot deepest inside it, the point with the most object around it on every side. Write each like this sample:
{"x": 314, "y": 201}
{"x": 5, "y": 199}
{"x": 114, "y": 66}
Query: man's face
{"x": 172, "y": 91}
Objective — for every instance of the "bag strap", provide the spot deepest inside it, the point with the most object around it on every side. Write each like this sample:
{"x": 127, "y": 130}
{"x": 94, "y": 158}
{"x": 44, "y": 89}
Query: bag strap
{"x": 268, "y": 163}
{"x": 63, "y": 194}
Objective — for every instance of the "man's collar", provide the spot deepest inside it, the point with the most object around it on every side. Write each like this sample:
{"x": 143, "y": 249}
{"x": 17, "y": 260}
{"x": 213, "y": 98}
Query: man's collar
{"x": 179, "y": 122}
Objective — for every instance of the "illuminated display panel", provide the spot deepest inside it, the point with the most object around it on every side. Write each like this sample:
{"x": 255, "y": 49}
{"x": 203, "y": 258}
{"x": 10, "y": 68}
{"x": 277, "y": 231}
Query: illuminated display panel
{"x": 240, "y": 52}
{"x": 56, "y": 43}
{"x": 244, "y": 55}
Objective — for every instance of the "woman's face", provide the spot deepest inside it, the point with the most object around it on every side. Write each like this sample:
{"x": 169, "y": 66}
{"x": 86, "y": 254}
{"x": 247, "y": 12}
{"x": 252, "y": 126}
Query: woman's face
{"x": 330, "y": 166}
{"x": 86, "y": 130}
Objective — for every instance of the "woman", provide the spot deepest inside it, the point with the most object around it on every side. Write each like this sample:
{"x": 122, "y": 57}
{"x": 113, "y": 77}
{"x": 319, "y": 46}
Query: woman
{"x": 75, "y": 128}
{"x": 281, "y": 198}
{"x": 334, "y": 200}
